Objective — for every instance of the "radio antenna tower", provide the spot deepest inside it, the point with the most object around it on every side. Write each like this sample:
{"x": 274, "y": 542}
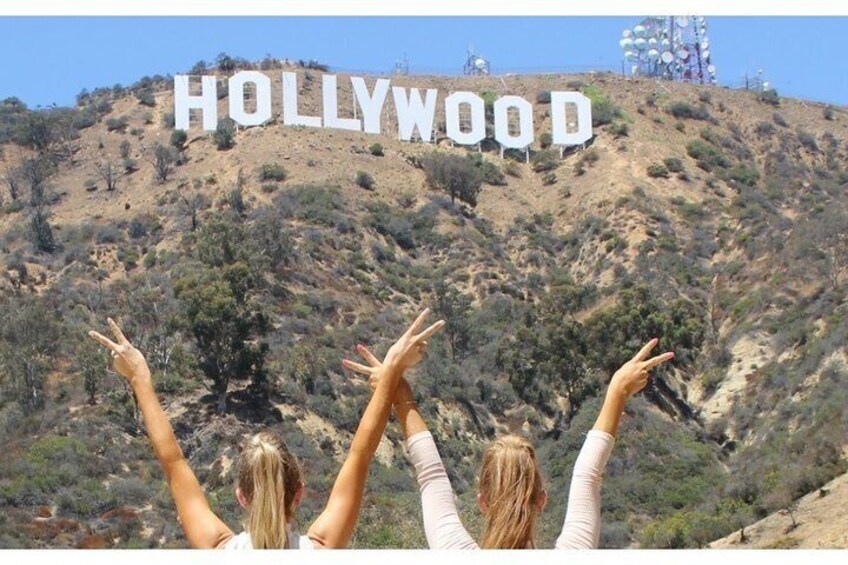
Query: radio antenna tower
{"x": 401, "y": 66}
{"x": 475, "y": 64}
{"x": 670, "y": 47}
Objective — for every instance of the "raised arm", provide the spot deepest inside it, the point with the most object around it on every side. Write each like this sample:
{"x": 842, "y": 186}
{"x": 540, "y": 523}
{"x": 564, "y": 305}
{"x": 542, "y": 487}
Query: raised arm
{"x": 442, "y": 524}
{"x": 202, "y": 527}
{"x": 582, "y": 527}
{"x": 334, "y": 527}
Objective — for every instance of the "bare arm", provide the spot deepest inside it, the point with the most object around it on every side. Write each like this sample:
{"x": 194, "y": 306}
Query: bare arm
{"x": 202, "y": 527}
{"x": 334, "y": 527}
{"x": 442, "y": 524}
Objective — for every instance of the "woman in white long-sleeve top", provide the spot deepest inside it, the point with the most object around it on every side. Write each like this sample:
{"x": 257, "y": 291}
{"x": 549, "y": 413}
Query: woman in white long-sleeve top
{"x": 511, "y": 492}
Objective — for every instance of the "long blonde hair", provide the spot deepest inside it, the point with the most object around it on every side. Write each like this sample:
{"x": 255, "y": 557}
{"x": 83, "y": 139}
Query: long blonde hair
{"x": 512, "y": 489}
{"x": 269, "y": 478}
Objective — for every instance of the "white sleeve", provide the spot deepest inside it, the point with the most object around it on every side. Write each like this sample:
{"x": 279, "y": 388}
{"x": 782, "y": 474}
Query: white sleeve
{"x": 442, "y": 525}
{"x": 582, "y": 527}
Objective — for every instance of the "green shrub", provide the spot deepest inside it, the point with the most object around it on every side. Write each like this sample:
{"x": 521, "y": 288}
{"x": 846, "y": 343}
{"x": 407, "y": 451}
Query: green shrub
{"x": 179, "y": 139}
{"x": 456, "y": 176}
{"x": 744, "y": 174}
{"x": 125, "y": 148}
{"x": 808, "y": 140}
{"x": 707, "y": 156}
{"x": 604, "y": 111}
{"x": 225, "y": 134}
{"x": 673, "y": 164}
{"x": 117, "y": 124}
{"x": 169, "y": 120}
{"x": 491, "y": 173}
{"x": 544, "y": 161}
{"x": 146, "y": 98}
{"x": 684, "y": 110}
{"x": 549, "y": 179}
{"x": 779, "y": 120}
{"x": 619, "y": 129}
{"x": 546, "y": 140}
{"x": 364, "y": 180}
{"x": 376, "y": 149}
{"x": 543, "y": 97}
{"x": 273, "y": 172}
{"x": 829, "y": 113}
{"x": 657, "y": 171}
{"x": 764, "y": 129}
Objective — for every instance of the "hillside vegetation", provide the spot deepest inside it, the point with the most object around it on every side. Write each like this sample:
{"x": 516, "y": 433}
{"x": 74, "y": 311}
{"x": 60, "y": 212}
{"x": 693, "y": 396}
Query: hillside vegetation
{"x": 248, "y": 262}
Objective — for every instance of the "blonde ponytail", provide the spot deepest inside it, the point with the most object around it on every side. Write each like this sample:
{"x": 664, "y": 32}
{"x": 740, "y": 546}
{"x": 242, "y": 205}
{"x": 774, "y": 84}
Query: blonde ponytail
{"x": 512, "y": 489}
{"x": 269, "y": 478}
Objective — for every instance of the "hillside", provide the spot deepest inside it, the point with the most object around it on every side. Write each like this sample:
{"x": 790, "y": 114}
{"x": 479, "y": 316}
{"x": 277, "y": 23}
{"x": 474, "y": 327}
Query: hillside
{"x": 716, "y": 220}
{"x": 818, "y": 520}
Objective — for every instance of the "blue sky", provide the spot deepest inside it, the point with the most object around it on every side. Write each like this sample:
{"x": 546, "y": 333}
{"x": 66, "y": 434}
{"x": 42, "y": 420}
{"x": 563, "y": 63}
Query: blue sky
{"x": 49, "y": 60}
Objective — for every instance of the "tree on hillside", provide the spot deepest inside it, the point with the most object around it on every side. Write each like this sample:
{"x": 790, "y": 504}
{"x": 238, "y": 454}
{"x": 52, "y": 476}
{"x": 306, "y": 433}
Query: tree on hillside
{"x": 90, "y": 363}
{"x": 225, "y": 134}
{"x": 457, "y": 176}
{"x": 13, "y": 182}
{"x": 109, "y": 172}
{"x": 455, "y": 307}
{"x": 191, "y": 204}
{"x": 225, "y": 323}
{"x": 28, "y": 337}
{"x": 823, "y": 239}
{"x": 219, "y": 309}
{"x": 164, "y": 161}
{"x": 35, "y": 172}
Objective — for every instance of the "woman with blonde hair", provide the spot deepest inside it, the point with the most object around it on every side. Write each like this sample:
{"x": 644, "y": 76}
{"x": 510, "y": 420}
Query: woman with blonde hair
{"x": 270, "y": 485}
{"x": 511, "y": 492}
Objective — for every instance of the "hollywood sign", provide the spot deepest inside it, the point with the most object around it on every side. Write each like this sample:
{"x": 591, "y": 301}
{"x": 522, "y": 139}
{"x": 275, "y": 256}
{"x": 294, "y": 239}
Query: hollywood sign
{"x": 571, "y": 112}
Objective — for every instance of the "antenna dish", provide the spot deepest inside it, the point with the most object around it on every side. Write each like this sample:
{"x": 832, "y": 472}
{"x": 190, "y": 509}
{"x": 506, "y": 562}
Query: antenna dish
{"x": 669, "y": 47}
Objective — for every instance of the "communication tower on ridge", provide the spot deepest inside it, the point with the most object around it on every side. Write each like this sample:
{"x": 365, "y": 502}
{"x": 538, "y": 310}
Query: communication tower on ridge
{"x": 475, "y": 64}
{"x": 401, "y": 67}
{"x": 670, "y": 47}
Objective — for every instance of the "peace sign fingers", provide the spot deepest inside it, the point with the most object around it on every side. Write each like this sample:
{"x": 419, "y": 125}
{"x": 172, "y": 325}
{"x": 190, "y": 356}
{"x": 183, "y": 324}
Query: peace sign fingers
{"x": 105, "y": 341}
{"x": 430, "y": 331}
{"x": 646, "y": 350}
{"x": 658, "y": 360}
{"x": 366, "y": 353}
{"x": 116, "y": 331}
{"x": 359, "y": 368}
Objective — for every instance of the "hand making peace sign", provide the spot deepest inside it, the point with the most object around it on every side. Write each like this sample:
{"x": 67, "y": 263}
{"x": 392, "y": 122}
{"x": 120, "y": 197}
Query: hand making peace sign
{"x": 126, "y": 359}
{"x": 633, "y": 375}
